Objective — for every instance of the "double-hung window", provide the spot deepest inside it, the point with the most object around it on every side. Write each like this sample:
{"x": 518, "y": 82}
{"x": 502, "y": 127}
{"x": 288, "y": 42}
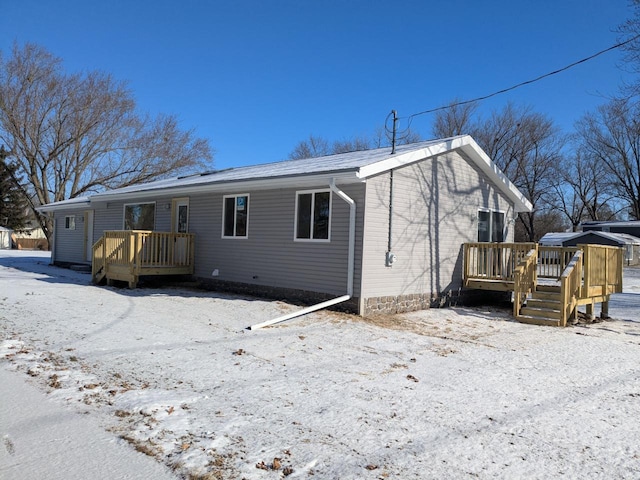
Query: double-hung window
{"x": 139, "y": 216}
{"x": 490, "y": 226}
{"x": 235, "y": 216}
{"x": 313, "y": 215}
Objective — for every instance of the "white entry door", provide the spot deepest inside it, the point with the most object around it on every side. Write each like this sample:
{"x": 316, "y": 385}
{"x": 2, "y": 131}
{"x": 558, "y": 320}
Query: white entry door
{"x": 181, "y": 225}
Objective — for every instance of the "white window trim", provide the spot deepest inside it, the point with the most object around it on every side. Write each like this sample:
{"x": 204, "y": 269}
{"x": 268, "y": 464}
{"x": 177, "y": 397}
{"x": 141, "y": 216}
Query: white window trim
{"x": 71, "y": 222}
{"x": 313, "y": 202}
{"x": 504, "y": 223}
{"x": 234, "y": 236}
{"x": 124, "y": 209}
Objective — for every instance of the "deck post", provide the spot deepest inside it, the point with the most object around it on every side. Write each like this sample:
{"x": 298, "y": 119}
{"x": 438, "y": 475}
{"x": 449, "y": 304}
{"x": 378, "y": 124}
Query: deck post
{"x": 192, "y": 254}
{"x": 465, "y": 262}
{"x": 586, "y": 284}
{"x": 590, "y": 310}
{"x": 604, "y": 313}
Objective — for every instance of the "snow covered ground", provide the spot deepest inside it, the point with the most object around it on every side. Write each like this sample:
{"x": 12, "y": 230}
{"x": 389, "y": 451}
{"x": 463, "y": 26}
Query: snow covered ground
{"x": 451, "y": 393}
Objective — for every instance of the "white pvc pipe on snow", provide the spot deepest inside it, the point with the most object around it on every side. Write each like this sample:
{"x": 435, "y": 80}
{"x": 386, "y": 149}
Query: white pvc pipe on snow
{"x": 350, "y": 267}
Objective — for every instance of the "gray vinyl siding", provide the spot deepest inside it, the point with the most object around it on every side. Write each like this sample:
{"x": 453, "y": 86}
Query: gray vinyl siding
{"x": 435, "y": 204}
{"x": 270, "y": 256}
{"x": 69, "y": 244}
{"x": 110, "y": 216}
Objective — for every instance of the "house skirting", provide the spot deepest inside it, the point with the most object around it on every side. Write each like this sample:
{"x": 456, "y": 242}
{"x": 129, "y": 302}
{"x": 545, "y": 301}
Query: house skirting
{"x": 290, "y": 295}
{"x": 421, "y": 301}
{"x": 372, "y": 306}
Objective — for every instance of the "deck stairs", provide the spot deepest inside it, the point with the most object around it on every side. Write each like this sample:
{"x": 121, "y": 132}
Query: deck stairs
{"x": 543, "y": 307}
{"x": 99, "y": 276}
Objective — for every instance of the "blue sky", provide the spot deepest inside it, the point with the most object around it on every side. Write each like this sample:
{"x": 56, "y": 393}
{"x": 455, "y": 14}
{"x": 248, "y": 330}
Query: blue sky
{"x": 256, "y": 77}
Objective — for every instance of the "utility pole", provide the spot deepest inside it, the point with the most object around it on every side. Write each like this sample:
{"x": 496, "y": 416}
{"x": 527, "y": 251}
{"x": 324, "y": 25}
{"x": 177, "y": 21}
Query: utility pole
{"x": 395, "y": 130}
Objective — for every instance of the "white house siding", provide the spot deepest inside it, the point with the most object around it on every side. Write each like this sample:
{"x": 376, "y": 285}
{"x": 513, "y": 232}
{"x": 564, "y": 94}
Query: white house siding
{"x": 270, "y": 257}
{"x": 435, "y": 206}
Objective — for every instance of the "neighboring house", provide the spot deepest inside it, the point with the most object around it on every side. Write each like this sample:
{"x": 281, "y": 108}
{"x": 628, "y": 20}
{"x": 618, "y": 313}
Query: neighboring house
{"x": 30, "y": 238}
{"x": 630, "y": 227}
{"x": 386, "y": 229}
{"x": 630, "y": 243}
{"x": 5, "y": 238}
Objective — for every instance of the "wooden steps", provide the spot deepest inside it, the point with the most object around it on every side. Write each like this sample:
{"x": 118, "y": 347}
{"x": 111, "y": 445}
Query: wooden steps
{"x": 542, "y": 308}
{"x": 98, "y": 276}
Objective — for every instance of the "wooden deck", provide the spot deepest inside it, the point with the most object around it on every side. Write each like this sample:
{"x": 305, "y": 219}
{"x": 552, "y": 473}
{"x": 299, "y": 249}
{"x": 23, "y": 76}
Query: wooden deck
{"x": 126, "y": 255}
{"x": 548, "y": 283}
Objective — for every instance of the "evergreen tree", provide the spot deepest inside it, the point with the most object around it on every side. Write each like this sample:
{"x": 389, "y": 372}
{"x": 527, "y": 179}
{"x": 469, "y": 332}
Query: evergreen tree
{"x": 13, "y": 207}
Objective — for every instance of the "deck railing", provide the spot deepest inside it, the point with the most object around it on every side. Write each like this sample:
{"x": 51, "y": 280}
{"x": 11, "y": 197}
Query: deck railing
{"x": 586, "y": 274}
{"x": 602, "y": 269}
{"x": 497, "y": 261}
{"x": 552, "y": 261}
{"x": 494, "y": 261}
{"x": 131, "y": 253}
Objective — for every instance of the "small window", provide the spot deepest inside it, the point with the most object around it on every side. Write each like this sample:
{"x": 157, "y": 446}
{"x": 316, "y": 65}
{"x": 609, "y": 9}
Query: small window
{"x": 313, "y": 215}
{"x": 490, "y": 226}
{"x": 235, "y": 216}
{"x": 139, "y": 216}
{"x": 70, "y": 222}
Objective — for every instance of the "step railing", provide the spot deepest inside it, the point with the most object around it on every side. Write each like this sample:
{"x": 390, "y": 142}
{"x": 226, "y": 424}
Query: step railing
{"x": 571, "y": 287}
{"x": 524, "y": 280}
{"x": 97, "y": 255}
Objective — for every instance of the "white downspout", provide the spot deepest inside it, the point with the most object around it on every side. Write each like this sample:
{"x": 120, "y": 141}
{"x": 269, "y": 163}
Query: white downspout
{"x": 352, "y": 233}
{"x": 350, "y": 267}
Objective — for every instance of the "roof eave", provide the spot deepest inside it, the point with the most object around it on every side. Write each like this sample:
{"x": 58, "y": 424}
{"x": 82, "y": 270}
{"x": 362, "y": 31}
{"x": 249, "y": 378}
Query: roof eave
{"x": 468, "y": 145}
{"x": 291, "y": 181}
{"x": 64, "y": 205}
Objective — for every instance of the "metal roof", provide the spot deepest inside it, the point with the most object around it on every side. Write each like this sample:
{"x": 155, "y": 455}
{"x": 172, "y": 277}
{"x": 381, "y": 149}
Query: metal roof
{"x": 345, "y": 168}
{"x": 557, "y": 238}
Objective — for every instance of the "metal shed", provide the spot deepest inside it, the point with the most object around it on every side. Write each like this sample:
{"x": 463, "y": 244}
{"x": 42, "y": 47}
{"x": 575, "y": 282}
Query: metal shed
{"x": 630, "y": 243}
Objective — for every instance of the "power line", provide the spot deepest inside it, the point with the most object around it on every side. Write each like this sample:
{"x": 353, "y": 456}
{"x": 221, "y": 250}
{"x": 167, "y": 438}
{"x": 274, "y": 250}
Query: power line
{"x": 504, "y": 90}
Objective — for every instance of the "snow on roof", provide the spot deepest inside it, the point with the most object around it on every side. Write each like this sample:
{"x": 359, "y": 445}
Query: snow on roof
{"x": 556, "y": 239}
{"x": 342, "y": 162}
{"x": 619, "y": 237}
{"x": 628, "y": 223}
{"x": 72, "y": 202}
{"x": 349, "y": 167}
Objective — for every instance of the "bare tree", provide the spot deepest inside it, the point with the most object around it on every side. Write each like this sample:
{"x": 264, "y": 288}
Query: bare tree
{"x": 630, "y": 31}
{"x": 310, "y": 148}
{"x": 524, "y": 144}
{"x": 354, "y": 144}
{"x": 318, "y": 146}
{"x": 611, "y": 135}
{"x": 582, "y": 191}
{"x": 75, "y": 134}
{"x": 458, "y": 119}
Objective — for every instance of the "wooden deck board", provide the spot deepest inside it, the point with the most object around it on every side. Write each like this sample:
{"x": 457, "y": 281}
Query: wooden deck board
{"x": 494, "y": 285}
